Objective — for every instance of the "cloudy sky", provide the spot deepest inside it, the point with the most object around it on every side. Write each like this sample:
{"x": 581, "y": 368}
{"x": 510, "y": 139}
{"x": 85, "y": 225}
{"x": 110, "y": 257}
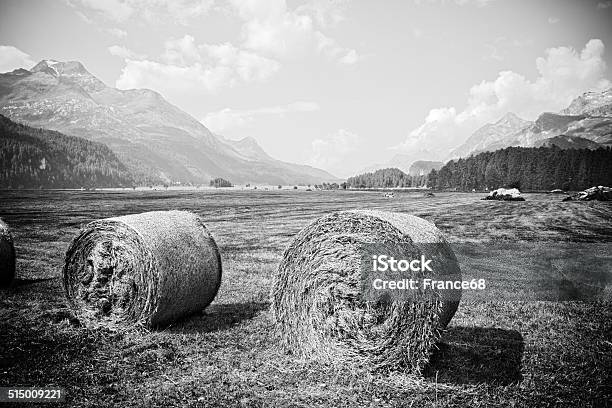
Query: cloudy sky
{"x": 336, "y": 84}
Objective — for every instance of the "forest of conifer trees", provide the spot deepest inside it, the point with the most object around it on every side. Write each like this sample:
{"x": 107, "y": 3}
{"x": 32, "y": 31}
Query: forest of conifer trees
{"x": 39, "y": 158}
{"x": 386, "y": 178}
{"x": 529, "y": 169}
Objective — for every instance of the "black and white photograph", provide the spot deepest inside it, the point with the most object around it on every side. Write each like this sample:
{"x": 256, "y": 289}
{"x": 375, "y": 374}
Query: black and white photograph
{"x": 306, "y": 203}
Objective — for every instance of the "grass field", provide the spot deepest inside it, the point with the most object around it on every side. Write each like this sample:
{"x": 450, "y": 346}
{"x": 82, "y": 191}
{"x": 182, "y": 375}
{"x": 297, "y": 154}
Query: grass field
{"x": 496, "y": 351}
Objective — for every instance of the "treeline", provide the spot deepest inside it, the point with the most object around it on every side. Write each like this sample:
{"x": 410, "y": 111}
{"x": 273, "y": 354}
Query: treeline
{"x": 526, "y": 168}
{"x": 543, "y": 168}
{"x": 386, "y": 178}
{"x": 220, "y": 182}
{"x": 329, "y": 186}
{"x": 39, "y": 158}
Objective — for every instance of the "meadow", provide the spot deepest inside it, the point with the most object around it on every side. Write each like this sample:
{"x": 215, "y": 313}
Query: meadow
{"x": 521, "y": 345}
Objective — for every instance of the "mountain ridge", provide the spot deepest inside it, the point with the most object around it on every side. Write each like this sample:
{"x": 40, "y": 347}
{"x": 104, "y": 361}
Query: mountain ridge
{"x": 587, "y": 120}
{"x": 423, "y": 167}
{"x": 155, "y": 139}
{"x": 567, "y": 142}
{"x": 490, "y": 133}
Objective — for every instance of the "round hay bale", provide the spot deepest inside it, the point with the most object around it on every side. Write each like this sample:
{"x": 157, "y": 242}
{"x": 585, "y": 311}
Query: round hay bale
{"x": 148, "y": 269}
{"x": 317, "y": 294}
{"x": 7, "y": 256}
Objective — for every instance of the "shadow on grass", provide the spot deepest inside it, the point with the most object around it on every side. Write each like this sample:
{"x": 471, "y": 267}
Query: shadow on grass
{"x": 42, "y": 352}
{"x": 23, "y": 282}
{"x": 473, "y": 355}
{"x": 218, "y": 317}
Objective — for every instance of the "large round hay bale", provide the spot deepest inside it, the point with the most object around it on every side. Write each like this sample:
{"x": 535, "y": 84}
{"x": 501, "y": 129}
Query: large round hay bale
{"x": 148, "y": 269}
{"x": 318, "y": 298}
{"x": 7, "y": 256}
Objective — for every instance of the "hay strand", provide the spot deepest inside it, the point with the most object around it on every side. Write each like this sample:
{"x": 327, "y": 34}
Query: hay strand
{"x": 317, "y": 302}
{"x": 7, "y": 256}
{"x": 148, "y": 269}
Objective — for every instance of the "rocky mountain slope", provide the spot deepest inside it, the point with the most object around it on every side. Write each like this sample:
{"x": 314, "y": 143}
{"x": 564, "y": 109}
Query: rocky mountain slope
{"x": 592, "y": 104}
{"x": 423, "y": 167}
{"x": 567, "y": 142}
{"x": 491, "y": 134}
{"x": 250, "y": 150}
{"x": 155, "y": 139}
{"x": 587, "y": 122}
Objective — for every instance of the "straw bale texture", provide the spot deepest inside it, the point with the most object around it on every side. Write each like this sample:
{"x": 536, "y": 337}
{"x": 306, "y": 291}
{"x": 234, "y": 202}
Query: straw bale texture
{"x": 148, "y": 269}
{"x": 317, "y": 299}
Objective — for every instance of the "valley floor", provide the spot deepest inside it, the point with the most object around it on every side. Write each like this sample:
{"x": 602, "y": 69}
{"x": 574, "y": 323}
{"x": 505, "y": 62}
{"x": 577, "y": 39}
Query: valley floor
{"x": 499, "y": 351}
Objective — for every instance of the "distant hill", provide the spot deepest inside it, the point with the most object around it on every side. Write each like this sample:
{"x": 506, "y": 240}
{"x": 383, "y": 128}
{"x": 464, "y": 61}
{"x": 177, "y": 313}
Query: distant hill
{"x": 423, "y": 167}
{"x": 39, "y": 158}
{"x": 155, "y": 139}
{"x": 249, "y": 150}
{"x": 588, "y": 116}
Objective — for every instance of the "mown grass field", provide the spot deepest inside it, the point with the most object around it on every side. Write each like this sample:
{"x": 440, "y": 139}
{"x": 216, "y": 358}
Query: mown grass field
{"x": 496, "y": 352}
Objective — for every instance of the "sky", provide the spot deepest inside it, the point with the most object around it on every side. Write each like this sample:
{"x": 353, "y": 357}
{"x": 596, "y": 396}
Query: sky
{"x": 339, "y": 85}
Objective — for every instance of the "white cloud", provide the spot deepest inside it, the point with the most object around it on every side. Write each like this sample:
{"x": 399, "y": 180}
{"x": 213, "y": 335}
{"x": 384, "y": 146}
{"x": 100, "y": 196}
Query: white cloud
{"x": 270, "y": 27}
{"x": 325, "y": 12}
{"x": 173, "y": 79}
{"x": 12, "y": 58}
{"x": 351, "y": 57}
{"x": 479, "y": 3}
{"x": 227, "y": 118}
{"x": 248, "y": 65}
{"x": 494, "y": 53}
{"x": 115, "y": 32}
{"x": 553, "y": 20}
{"x": 181, "y": 11}
{"x": 83, "y": 17}
{"x": 116, "y": 10}
{"x": 181, "y": 51}
{"x": 123, "y": 52}
{"x": 499, "y": 46}
{"x": 563, "y": 74}
{"x": 270, "y": 31}
{"x": 331, "y": 153}
{"x": 188, "y": 67}
{"x": 604, "y": 5}
{"x": 280, "y": 35}
{"x": 329, "y": 47}
{"x": 176, "y": 11}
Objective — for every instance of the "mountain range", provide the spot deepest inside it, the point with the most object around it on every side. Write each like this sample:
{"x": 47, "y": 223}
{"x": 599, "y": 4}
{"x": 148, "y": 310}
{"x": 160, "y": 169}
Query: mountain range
{"x": 156, "y": 140}
{"x": 585, "y": 123}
